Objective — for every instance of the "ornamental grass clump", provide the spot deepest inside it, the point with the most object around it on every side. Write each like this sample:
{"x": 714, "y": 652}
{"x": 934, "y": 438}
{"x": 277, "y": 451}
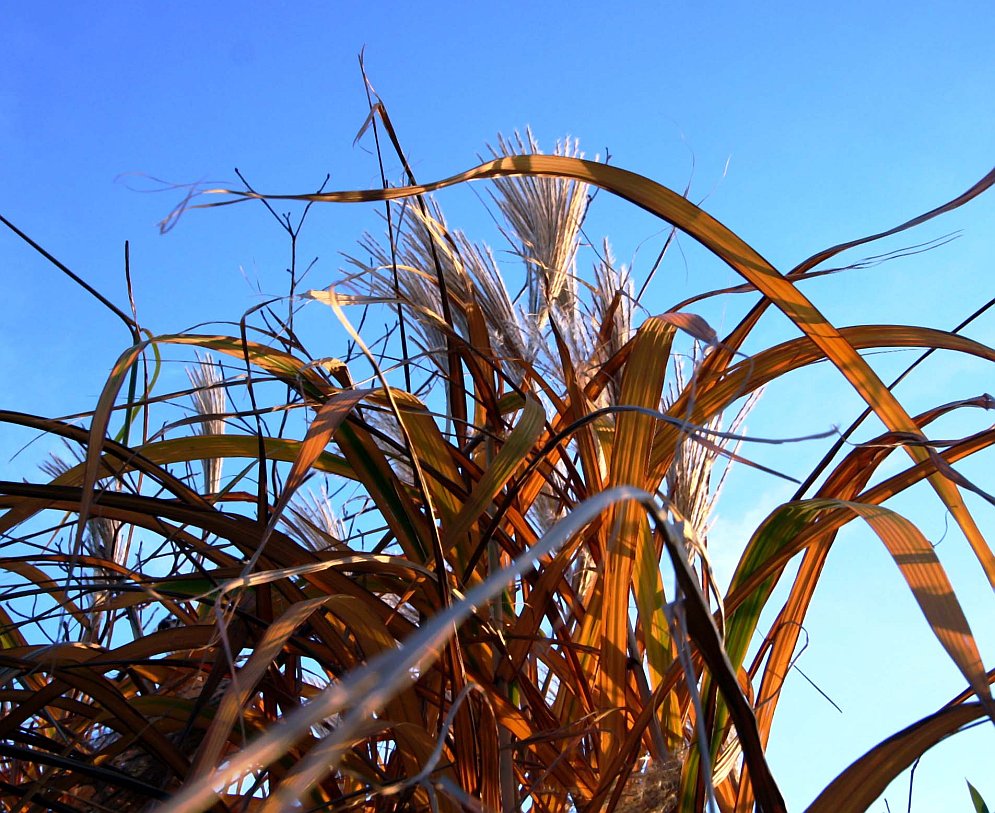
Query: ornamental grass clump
{"x": 436, "y": 575}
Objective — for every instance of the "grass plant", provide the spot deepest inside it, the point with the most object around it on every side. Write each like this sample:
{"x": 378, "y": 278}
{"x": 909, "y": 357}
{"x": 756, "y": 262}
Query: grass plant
{"x": 471, "y": 614}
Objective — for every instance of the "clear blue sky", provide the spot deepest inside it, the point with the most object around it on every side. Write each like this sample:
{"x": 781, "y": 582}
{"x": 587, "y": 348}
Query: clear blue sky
{"x": 834, "y": 120}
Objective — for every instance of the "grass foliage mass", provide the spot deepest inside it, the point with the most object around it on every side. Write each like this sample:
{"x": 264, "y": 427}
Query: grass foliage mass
{"x": 462, "y": 563}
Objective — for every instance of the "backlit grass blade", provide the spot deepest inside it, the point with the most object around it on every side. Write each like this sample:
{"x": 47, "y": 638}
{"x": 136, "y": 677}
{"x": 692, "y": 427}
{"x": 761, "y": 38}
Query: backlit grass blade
{"x": 854, "y": 790}
{"x": 630, "y": 561}
{"x": 46, "y": 584}
{"x": 911, "y": 551}
{"x": 329, "y": 417}
{"x": 712, "y": 395}
{"x": 819, "y": 258}
{"x": 846, "y": 482}
{"x": 442, "y": 477}
{"x": 932, "y": 590}
{"x": 977, "y": 799}
{"x": 835, "y": 519}
{"x": 196, "y": 447}
{"x": 516, "y": 447}
{"x": 10, "y": 636}
{"x": 302, "y": 376}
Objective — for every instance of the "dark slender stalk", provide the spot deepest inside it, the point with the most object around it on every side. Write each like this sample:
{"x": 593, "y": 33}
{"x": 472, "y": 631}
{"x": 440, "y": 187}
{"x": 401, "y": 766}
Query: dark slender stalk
{"x": 391, "y": 237}
{"x": 129, "y": 323}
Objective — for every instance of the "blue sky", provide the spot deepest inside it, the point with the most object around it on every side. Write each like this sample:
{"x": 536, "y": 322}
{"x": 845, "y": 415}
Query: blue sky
{"x": 802, "y": 125}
